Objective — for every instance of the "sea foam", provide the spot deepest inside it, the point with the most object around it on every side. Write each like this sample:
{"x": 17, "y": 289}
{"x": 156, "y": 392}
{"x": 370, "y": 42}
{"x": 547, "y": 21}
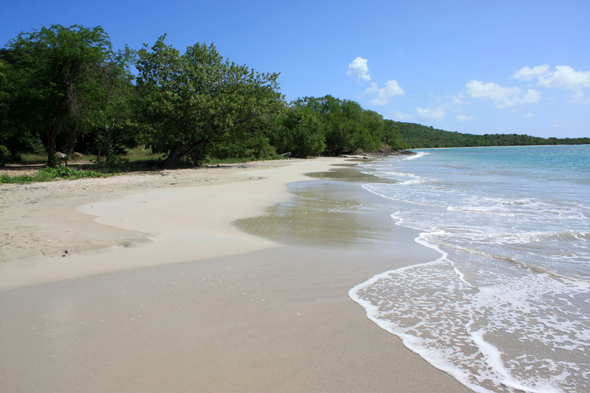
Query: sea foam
{"x": 506, "y": 306}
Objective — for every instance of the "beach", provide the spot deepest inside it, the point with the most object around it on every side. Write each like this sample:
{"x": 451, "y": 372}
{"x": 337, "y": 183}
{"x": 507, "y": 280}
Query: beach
{"x": 174, "y": 282}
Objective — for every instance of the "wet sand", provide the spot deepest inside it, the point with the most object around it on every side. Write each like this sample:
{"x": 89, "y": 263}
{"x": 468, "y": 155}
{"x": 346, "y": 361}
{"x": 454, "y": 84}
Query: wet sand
{"x": 203, "y": 306}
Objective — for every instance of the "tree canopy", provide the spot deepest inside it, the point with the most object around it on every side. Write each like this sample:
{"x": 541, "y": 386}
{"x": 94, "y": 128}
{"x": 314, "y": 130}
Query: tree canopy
{"x": 196, "y": 100}
{"x": 65, "y": 87}
{"x": 417, "y": 136}
{"x": 51, "y": 70}
{"x": 338, "y": 126}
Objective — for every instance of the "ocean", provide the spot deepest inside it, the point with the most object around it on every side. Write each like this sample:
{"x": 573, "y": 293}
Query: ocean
{"x": 506, "y": 306}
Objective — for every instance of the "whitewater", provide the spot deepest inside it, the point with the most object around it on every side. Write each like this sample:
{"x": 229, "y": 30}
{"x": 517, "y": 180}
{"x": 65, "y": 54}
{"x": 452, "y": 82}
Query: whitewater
{"x": 506, "y": 306}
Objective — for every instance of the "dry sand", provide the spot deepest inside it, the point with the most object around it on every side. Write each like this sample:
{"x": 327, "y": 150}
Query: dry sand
{"x": 160, "y": 292}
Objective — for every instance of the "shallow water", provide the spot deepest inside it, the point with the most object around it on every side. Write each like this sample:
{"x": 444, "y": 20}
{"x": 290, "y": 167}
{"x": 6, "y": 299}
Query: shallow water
{"x": 507, "y": 305}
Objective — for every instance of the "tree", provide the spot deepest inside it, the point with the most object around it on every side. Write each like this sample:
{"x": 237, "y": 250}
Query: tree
{"x": 301, "y": 132}
{"x": 15, "y": 137}
{"x": 392, "y": 135}
{"x": 114, "y": 96}
{"x": 196, "y": 100}
{"x": 347, "y": 126}
{"x": 4, "y": 109}
{"x": 54, "y": 66}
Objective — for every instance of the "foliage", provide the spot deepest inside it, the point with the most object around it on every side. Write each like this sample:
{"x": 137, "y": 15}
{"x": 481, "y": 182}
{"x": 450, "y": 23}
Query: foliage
{"x": 51, "y": 70}
{"x": 392, "y": 135}
{"x": 300, "y": 132}
{"x": 195, "y": 101}
{"x": 65, "y": 87}
{"x": 347, "y": 127}
{"x": 116, "y": 103}
{"x": 3, "y": 153}
{"x": 419, "y": 136}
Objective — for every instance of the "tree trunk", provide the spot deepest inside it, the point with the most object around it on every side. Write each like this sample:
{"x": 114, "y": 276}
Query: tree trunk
{"x": 51, "y": 133}
{"x": 1, "y": 151}
{"x": 175, "y": 153}
{"x": 73, "y": 136}
{"x": 173, "y": 156}
{"x": 193, "y": 147}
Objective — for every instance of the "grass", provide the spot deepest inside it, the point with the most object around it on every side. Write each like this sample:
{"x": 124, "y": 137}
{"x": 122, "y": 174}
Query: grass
{"x": 136, "y": 159}
{"x": 140, "y": 153}
{"x": 47, "y": 174}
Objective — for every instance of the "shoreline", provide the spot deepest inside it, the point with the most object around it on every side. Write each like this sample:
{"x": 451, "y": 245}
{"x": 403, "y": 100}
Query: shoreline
{"x": 43, "y": 220}
{"x": 201, "y": 305}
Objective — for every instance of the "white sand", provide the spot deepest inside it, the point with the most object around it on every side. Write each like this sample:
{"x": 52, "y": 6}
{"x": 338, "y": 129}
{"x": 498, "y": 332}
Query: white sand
{"x": 161, "y": 293}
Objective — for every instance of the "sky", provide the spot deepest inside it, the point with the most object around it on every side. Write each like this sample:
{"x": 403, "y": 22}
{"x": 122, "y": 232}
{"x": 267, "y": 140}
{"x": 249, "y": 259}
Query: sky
{"x": 478, "y": 67}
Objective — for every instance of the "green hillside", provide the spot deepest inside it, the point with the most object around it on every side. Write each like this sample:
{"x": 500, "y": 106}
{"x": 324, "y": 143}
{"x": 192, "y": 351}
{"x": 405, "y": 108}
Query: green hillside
{"x": 419, "y": 136}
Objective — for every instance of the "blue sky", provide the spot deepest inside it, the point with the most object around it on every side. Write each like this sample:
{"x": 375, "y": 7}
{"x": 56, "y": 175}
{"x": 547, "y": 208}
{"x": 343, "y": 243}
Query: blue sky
{"x": 469, "y": 66}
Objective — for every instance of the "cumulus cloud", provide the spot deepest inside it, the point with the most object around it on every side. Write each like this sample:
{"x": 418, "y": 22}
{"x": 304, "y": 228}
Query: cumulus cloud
{"x": 502, "y": 96}
{"x": 431, "y": 113}
{"x": 528, "y": 74}
{"x": 360, "y": 69}
{"x": 491, "y": 91}
{"x": 564, "y": 77}
{"x": 462, "y": 117}
{"x": 399, "y": 115}
{"x": 532, "y": 96}
{"x": 391, "y": 89}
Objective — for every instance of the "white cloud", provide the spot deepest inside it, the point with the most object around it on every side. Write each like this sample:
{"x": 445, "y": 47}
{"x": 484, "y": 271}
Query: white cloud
{"x": 564, "y": 77}
{"x": 431, "y": 113}
{"x": 398, "y": 115}
{"x": 528, "y": 74}
{"x": 373, "y": 89}
{"x": 454, "y": 100}
{"x": 529, "y": 114}
{"x": 490, "y": 91}
{"x": 532, "y": 96}
{"x": 462, "y": 117}
{"x": 502, "y": 96}
{"x": 391, "y": 89}
{"x": 360, "y": 69}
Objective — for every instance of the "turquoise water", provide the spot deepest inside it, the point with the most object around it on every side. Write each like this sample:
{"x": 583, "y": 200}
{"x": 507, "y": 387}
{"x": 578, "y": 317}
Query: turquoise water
{"x": 507, "y": 305}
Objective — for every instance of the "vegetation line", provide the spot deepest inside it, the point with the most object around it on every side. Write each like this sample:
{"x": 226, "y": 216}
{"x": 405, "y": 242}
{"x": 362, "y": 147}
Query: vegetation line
{"x": 64, "y": 93}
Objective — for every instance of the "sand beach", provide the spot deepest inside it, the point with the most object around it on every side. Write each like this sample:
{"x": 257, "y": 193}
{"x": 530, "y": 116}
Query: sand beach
{"x": 193, "y": 281}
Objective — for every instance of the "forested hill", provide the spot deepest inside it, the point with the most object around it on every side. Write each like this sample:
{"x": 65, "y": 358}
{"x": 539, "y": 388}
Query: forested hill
{"x": 417, "y": 136}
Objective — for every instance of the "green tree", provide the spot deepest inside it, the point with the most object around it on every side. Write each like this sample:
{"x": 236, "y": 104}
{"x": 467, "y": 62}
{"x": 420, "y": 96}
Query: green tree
{"x": 114, "y": 100}
{"x": 4, "y": 109}
{"x": 348, "y": 127}
{"x": 53, "y": 69}
{"x": 15, "y": 137}
{"x": 392, "y": 135}
{"x": 197, "y": 100}
{"x": 300, "y": 132}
